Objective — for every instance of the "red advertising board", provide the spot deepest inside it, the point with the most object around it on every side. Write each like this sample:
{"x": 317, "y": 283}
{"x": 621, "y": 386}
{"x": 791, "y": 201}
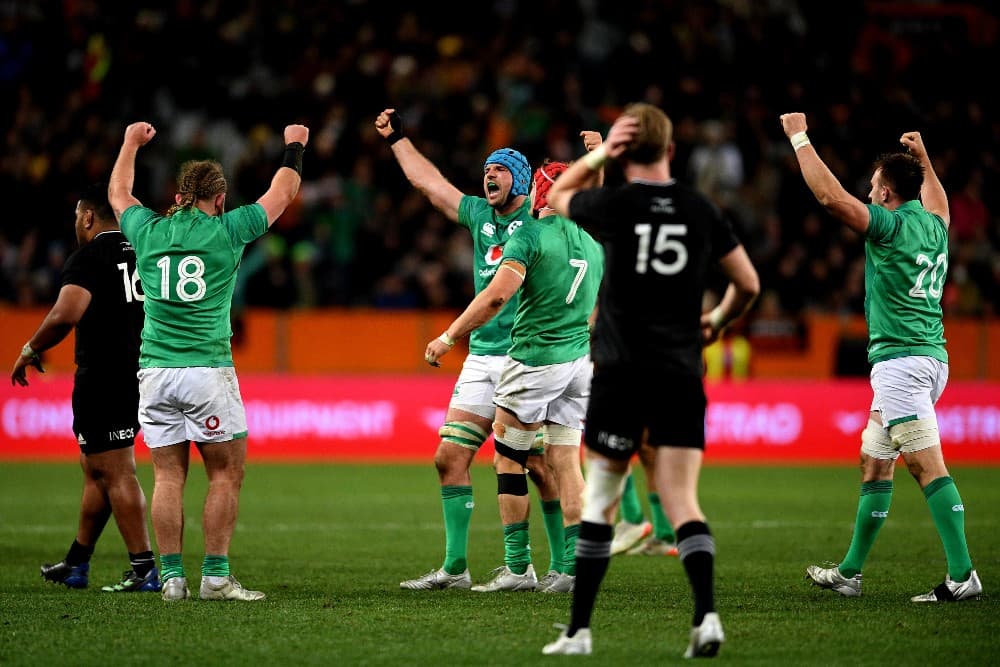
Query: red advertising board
{"x": 397, "y": 418}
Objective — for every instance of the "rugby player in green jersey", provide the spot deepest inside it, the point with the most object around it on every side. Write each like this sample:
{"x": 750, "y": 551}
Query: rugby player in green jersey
{"x": 906, "y": 260}
{"x": 188, "y": 390}
{"x": 492, "y": 220}
{"x": 556, "y": 268}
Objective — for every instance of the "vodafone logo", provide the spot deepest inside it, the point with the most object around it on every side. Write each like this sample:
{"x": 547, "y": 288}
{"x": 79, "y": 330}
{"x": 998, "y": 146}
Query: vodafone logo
{"x": 493, "y": 255}
{"x": 212, "y": 423}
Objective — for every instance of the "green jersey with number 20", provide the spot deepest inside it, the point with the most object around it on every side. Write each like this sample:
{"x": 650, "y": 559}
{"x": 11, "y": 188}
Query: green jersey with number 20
{"x": 187, "y": 264}
{"x": 906, "y": 261}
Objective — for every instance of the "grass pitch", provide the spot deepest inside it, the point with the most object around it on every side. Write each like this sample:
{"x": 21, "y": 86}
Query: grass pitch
{"x": 329, "y": 543}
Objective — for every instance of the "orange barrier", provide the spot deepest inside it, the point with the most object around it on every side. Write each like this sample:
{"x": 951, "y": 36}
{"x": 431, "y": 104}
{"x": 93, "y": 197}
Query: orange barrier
{"x": 369, "y": 341}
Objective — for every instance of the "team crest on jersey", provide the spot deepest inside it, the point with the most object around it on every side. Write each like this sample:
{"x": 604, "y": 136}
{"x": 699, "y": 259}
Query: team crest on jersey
{"x": 662, "y": 205}
{"x": 493, "y": 255}
{"x": 489, "y": 229}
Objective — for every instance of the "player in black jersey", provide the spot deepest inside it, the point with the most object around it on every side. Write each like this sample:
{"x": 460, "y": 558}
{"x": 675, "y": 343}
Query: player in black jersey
{"x": 100, "y": 297}
{"x": 660, "y": 240}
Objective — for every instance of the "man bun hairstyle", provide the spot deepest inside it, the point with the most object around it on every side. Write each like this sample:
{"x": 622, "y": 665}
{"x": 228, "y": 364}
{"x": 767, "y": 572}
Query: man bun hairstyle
{"x": 198, "y": 180}
{"x": 518, "y": 166}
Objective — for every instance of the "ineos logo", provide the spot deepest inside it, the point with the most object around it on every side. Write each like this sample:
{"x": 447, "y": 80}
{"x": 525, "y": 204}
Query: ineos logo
{"x": 212, "y": 423}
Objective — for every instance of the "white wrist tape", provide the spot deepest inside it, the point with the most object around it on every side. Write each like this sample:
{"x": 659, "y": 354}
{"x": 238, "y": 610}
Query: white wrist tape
{"x": 446, "y": 339}
{"x": 715, "y": 318}
{"x": 596, "y": 158}
{"x": 799, "y": 139}
{"x": 27, "y": 352}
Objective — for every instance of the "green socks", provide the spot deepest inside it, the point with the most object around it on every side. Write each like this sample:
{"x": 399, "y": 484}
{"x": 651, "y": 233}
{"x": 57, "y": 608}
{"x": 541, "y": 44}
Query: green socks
{"x": 569, "y": 555}
{"x": 949, "y": 518}
{"x": 553, "y": 517}
{"x": 171, "y": 566}
{"x": 662, "y": 530}
{"x": 516, "y": 550}
{"x": 457, "y": 504}
{"x": 630, "y": 507}
{"x": 215, "y": 566}
{"x": 873, "y": 509}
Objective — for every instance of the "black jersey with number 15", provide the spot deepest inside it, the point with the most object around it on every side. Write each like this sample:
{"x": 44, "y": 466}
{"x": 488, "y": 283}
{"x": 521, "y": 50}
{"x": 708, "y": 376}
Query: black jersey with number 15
{"x": 107, "y": 337}
{"x": 660, "y": 240}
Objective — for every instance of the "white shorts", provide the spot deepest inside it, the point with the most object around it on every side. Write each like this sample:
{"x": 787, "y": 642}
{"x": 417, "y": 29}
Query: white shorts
{"x": 182, "y": 404}
{"x": 557, "y": 393}
{"x": 476, "y": 384}
{"x": 907, "y": 388}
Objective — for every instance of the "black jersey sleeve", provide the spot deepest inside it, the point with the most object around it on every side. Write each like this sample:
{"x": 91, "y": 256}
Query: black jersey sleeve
{"x": 590, "y": 209}
{"x": 81, "y": 269}
{"x": 724, "y": 238}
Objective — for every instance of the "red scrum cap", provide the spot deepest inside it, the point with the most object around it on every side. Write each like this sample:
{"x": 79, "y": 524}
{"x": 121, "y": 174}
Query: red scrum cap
{"x": 543, "y": 179}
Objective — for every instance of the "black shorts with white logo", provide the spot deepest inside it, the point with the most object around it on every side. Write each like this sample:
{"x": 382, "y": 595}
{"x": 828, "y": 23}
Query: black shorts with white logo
{"x": 105, "y": 410}
{"x": 624, "y": 402}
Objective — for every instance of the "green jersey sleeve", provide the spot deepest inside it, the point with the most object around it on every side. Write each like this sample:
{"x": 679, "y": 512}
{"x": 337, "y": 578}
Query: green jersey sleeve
{"x": 883, "y": 225}
{"x": 133, "y": 218}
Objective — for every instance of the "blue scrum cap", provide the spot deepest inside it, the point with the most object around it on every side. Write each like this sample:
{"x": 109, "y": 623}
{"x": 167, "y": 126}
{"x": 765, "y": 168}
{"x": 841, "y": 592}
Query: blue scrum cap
{"x": 518, "y": 166}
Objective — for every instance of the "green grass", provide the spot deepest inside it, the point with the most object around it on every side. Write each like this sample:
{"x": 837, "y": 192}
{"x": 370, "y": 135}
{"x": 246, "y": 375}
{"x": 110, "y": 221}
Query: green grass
{"x": 329, "y": 544}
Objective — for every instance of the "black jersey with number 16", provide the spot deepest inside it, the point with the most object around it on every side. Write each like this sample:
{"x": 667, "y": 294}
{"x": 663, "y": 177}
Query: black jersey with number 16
{"x": 107, "y": 337}
{"x": 660, "y": 239}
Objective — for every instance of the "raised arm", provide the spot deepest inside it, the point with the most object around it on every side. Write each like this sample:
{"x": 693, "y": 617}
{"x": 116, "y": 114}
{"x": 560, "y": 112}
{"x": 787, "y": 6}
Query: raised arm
{"x": 420, "y": 171}
{"x": 123, "y": 174}
{"x": 69, "y": 308}
{"x": 581, "y": 174}
{"x": 744, "y": 286}
{"x": 592, "y": 140}
{"x": 932, "y": 193}
{"x": 824, "y": 185}
{"x": 483, "y": 308}
{"x": 288, "y": 178}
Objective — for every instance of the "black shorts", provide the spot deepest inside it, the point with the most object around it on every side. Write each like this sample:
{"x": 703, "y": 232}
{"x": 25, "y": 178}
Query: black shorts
{"x": 105, "y": 410}
{"x": 624, "y": 403}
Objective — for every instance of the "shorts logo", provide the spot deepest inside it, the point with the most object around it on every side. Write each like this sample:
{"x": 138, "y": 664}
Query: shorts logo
{"x": 612, "y": 441}
{"x": 958, "y": 508}
{"x": 123, "y": 434}
{"x": 879, "y": 515}
{"x": 212, "y": 427}
{"x": 80, "y": 439}
{"x": 469, "y": 505}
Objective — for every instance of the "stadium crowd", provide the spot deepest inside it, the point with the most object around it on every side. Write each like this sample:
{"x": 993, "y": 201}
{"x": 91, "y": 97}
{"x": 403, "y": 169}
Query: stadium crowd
{"x": 217, "y": 77}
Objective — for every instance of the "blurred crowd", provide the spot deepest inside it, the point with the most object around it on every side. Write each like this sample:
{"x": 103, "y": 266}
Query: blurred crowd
{"x": 221, "y": 79}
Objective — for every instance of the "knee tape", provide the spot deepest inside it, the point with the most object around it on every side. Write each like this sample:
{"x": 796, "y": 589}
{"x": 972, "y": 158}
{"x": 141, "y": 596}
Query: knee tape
{"x": 512, "y": 484}
{"x": 464, "y": 434}
{"x": 513, "y": 443}
{"x": 603, "y": 488}
{"x": 557, "y": 434}
{"x": 912, "y": 436}
{"x": 876, "y": 443}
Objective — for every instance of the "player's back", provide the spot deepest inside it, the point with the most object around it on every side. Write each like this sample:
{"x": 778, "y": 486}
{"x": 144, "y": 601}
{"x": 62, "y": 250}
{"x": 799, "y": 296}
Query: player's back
{"x": 659, "y": 241}
{"x": 107, "y": 336}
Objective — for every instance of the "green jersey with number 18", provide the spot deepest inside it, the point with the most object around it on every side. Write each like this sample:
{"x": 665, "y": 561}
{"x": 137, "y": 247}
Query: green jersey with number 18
{"x": 906, "y": 262}
{"x": 490, "y": 232}
{"x": 187, "y": 263}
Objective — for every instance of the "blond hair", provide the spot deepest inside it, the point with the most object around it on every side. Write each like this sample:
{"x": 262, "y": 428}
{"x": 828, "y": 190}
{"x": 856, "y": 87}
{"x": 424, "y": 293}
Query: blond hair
{"x": 198, "y": 180}
{"x": 656, "y": 132}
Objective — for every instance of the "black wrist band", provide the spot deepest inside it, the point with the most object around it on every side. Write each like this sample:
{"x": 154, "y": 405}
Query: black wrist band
{"x": 397, "y": 128}
{"x": 293, "y": 156}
